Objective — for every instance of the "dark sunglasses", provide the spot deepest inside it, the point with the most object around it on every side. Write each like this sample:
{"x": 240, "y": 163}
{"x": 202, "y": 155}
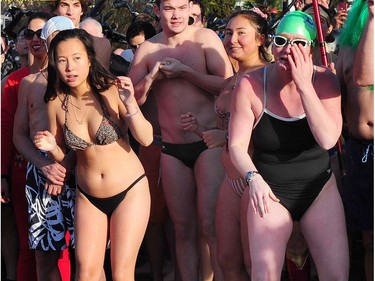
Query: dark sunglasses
{"x": 29, "y": 34}
{"x": 281, "y": 41}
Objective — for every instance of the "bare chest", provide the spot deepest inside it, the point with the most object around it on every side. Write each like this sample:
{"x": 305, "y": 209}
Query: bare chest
{"x": 37, "y": 109}
{"x": 190, "y": 54}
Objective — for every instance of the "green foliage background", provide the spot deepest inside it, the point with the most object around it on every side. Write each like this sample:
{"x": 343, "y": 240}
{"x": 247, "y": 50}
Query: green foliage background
{"x": 221, "y": 8}
{"x": 121, "y": 18}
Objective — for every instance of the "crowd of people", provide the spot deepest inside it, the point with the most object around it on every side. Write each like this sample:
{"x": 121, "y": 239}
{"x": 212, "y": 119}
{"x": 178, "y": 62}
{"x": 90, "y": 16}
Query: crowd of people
{"x": 240, "y": 157}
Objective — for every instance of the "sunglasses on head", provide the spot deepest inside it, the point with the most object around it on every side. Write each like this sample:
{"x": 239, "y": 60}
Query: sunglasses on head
{"x": 29, "y": 34}
{"x": 281, "y": 41}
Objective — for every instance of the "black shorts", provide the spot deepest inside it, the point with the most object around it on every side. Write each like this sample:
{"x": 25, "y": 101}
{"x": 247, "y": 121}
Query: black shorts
{"x": 358, "y": 188}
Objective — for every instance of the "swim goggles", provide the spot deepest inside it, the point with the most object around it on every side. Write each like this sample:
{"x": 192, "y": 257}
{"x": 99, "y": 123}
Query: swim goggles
{"x": 281, "y": 41}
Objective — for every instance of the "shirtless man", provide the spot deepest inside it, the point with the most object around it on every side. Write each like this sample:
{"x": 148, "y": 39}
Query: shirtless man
{"x": 358, "y": 195}
{"x": 50, "y": 215}
{"x": 185, "y": 66}
{"x": 363, "y": 65}
{"x": 13, "y": 164}
{"x": 75, "y": 10}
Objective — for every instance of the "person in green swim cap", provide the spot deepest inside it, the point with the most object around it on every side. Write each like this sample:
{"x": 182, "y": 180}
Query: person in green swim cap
{"x": 290, "y": 113}
{"x": 298, "y": 22}
{"x": 295, "y": 29}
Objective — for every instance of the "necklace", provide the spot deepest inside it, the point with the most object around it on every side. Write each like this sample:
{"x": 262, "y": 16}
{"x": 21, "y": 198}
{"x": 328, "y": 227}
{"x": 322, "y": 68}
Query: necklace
{"x": 235, "y": 82}
{"x": 80, "y": 122}
{"x": 44, "y": 67}
{"x": 44, "y": 74}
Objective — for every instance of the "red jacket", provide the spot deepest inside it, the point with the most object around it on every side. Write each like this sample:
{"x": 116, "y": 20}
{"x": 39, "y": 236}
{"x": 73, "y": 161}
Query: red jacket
{"x": 9, "y": 102}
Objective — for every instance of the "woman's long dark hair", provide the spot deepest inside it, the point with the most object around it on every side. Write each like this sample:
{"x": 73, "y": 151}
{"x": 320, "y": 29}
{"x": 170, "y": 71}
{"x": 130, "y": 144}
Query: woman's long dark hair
{"x": 99, "y": 79}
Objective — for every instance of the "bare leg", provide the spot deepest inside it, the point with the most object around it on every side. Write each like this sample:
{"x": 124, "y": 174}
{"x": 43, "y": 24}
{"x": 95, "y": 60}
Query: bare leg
{"x": 127, "y": 228}
{"x": 230, "y": 254}
{"x": 179, "y": 190}
{"x": 91, "y": 240}
{"x": 209, "y": 175}
{"x": 329, "y": 245}
{"x": 47, "y": 265}
{"x": 268, "y": 236}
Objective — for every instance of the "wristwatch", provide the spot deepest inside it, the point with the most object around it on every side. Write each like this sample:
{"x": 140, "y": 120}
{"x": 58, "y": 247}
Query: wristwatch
{"x": 250, "y": 176}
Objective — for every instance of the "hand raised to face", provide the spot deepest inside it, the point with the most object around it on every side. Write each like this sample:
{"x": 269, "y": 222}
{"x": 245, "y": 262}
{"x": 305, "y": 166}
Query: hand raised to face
{"x": 301, "y": 64}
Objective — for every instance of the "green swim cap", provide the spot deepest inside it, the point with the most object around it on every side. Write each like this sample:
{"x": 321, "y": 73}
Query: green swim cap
{"x": 298, "y": 22}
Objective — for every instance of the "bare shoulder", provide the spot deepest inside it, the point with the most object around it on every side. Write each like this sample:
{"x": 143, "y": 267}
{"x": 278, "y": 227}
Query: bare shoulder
{"x": 151, "y": 44}
{"x": 112, "y": 91}
{"x": 255, "y": 77}
{"x": 59, "y": 100}
{"x": 146, "y": 53}
{"x": 325, "y": 74}
{"x": 57, "y": 104}
{"x": 29, "y": 78}
{"x": 27, "y": 85}
{"x": 111, "y": 95}
{"x": 155, "y": 39}
{"x": 206, "y": 36}
{"x": 326, "y": 83}
{"x": 38, "y": 83}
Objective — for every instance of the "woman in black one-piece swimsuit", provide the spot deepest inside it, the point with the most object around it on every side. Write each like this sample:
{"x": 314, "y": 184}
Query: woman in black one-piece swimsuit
{"x": 291, "y": 111}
